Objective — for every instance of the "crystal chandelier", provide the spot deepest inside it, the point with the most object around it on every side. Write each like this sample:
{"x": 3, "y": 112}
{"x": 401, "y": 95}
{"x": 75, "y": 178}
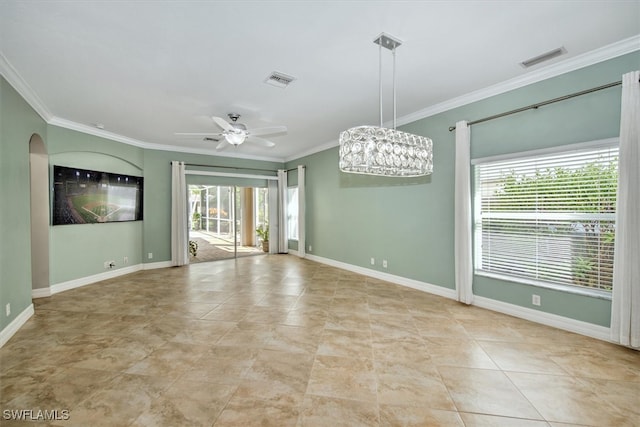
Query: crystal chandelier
{"x": 373, "y": 150}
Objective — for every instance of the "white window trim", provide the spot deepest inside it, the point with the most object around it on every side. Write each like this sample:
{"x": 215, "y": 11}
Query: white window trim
{"x": 600, "y": 143}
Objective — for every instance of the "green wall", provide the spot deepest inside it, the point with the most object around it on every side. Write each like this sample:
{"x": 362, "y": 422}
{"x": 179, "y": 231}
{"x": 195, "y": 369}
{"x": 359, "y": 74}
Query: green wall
{"x": 80, "y": 250}
{"x": 409, "y": 222}
{"x": 18, "y": 122}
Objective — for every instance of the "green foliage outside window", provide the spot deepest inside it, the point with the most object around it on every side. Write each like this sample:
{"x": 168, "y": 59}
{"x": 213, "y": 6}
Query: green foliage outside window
{"x": 590, "y": 189}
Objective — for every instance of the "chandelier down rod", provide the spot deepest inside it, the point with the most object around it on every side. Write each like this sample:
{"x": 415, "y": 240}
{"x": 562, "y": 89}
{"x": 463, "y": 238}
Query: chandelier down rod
{"x": 541, "y": 104}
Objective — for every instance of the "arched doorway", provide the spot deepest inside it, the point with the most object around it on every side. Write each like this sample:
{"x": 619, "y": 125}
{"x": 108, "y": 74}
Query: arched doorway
{"x": 39, "y": 175}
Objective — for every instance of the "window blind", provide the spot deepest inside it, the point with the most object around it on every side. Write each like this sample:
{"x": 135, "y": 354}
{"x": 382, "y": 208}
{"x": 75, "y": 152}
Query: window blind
{"x": 548, "y": 218}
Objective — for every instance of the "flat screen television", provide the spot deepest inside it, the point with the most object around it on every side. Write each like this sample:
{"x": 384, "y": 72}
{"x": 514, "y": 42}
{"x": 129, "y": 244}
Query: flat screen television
{"x": 83, "y": 196}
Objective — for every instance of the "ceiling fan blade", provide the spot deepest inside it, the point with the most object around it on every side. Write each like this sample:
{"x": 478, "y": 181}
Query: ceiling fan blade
{"x": 261, "y": 141}
{"x": 221, "y": 145}
{"x": 222, "y": 123}
{"x": 212, "y": 134}
{"x": 267, "y": 130}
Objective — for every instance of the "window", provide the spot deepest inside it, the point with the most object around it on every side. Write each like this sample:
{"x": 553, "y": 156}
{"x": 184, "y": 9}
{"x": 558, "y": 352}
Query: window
{"x": 292, "y": 213}
{"x": 548, "y": 218}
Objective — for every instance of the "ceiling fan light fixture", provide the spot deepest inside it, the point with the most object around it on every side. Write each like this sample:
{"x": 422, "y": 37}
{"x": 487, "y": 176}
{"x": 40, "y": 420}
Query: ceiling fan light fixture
{"x": 235, "y": 138}
{"x": 372, "y": 150}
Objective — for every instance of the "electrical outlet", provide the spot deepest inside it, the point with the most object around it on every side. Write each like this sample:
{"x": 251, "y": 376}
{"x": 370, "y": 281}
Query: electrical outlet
{"x": 7, "y": 309}
{"x": 309, "y": 248}
{"x": 150, "y": 255}
{"x": 125, "y": 260}
{"x": 535, "y": 299}
{"x": 384, "y": 263}
{"x": 106, "y": 265}
{"x": 373, "y": 261}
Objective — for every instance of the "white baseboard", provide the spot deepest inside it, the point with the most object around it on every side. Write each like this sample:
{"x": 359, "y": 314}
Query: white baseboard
{"x": 549, "y": 319}
{"x": 399, "y": 280}
{"x": 15, "y": 325}
{"x": 553, "y": 320}
{"x": 83, "y": 281}
{"x": 154, "y": 265}
{"x": 41, "y": 293}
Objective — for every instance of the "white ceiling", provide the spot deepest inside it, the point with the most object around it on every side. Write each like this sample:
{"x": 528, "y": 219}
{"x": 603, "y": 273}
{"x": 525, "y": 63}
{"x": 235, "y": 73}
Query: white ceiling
{"x": 148, "y": 69}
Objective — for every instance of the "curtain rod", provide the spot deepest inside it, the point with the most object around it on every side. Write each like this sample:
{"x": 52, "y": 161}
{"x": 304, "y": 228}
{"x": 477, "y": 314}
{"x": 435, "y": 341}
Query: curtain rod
{"x": 540, "y": 104}
{"x": 236, "y": 167}
{"x": 228, "y": 167}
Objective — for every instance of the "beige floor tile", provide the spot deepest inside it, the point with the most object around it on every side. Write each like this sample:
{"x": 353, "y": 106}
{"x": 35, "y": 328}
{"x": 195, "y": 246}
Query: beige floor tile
{"x": 487, "y": 392}
{"x": 280, "y": 340}
{"x": 257, "y": 336}
{"x": 323, "y": 411}
{"x": 624, "y": 396}
{"x": 228, "y": 311}
{"x": 425, "y": 391}
{"x": 343, "y": 377}
{"x": 203, "y": 332}
{"x": 277, "y": 375}
{"x": 294, "y": 339}
{"x": 168, "y": 361}
{"x": 568, "y": 400}
{"x": 222, "y": 364}
{"x": 589, "y": 363}
{"x": 465, "y": 353}
{"x": 269, "y": 315}
{"x": 521, "y": 357}
{"x": 358, "y": 321}
{"x": 119, "y": 356}
{"x": 246, "y": 412}
{"x": 480, "y": 420}
{"x": 393, "y": 415}
{"x": 429, "y": 326}
{"x": 119, "y": 402}
{"x": 186, "y": 403}
{"x": 346, "y": 343}
{"x": 349, "y": 305}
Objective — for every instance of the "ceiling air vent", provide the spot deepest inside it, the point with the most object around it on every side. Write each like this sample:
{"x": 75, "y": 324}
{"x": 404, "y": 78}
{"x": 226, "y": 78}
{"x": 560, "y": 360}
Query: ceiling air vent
{"x": 280, "y": 80}
{"x": 544, "y": 57}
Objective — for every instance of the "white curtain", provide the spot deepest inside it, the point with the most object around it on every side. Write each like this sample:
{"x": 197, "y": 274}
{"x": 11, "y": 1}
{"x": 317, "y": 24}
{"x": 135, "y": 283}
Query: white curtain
{"x": 179, "y": 236}
{"x": 283, "y": 240}
{"x": 462, "y": 213}
{"x": 274, "y": 228}
{"x": 625, "y": 308}
{"x": 301, "y": 212}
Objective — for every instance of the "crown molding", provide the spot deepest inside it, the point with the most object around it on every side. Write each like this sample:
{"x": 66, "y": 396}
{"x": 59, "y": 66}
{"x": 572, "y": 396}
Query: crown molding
{"x": 22, "y": 87}
{"x": 215, "y": 153}
{"x": 314, "y": 150}
{"x": 605, "y": 53}
{"x": 90, "y": 130}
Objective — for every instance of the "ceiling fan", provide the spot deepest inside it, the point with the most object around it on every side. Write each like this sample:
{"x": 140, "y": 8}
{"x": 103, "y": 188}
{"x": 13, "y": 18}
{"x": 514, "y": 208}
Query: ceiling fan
{"x": 236, "y": 133}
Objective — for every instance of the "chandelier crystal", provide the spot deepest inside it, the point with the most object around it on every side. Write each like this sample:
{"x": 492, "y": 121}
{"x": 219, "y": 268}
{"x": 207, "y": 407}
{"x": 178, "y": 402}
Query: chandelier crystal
{"x": 373, "y": 150}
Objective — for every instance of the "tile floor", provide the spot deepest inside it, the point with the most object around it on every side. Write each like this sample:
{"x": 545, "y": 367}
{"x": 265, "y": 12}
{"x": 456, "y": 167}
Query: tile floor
{"x": 279, "y": 341}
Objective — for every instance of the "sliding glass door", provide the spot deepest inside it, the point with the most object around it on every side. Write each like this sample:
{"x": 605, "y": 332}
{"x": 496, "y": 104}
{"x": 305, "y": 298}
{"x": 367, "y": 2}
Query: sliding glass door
{"x": 224, "y": 220}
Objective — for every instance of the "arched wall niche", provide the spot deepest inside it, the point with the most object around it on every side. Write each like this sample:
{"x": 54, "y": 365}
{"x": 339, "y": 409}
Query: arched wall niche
{"x": 39, "y": 186}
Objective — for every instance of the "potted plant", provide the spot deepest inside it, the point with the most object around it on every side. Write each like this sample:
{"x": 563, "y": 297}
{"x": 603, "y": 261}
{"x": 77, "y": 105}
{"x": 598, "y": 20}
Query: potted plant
{"x": 263, "y": 233}
{"x": 195, "y": 221}
{"x": 193, "y": 248}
